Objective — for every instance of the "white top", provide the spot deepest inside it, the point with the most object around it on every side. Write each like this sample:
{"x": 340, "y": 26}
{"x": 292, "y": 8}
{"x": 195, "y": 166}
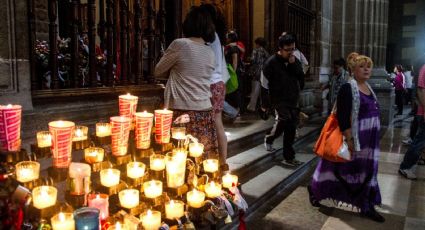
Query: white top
{"x": 408, "y": 79}
{"x": 220, "y": 71}
{"x": 188, "y": 65}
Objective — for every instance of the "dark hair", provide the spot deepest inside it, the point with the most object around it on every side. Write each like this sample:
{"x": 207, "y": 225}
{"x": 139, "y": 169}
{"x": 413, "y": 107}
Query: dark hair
{"x": 340, "y": 62}
{"x": 286, "y": 40}
{"x": 232, "y": 36}
{"x": 198, "y": 24}
{"x": 261, "y": 41}
{"x": 218, "y": 20}
{"x": 399, "y": 68}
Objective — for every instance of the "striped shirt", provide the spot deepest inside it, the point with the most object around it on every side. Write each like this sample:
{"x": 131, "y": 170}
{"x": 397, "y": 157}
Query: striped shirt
{"x": 188, "y": 65}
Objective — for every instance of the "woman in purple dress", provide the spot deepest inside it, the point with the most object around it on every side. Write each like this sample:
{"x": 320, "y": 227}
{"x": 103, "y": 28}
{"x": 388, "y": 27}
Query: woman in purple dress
{"x": 354, "y": 182}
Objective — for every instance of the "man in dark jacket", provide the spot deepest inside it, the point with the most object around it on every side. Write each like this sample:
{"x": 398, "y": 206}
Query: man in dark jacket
{"x": 285, "y": 81}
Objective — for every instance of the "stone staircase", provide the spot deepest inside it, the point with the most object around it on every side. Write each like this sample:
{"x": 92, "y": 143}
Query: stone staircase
{"x": 262, "y": 174}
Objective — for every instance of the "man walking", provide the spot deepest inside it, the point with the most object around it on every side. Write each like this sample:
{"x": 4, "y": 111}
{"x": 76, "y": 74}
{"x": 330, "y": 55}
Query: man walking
{"x": 285, "y": 81}
{"x": 407, "y": 167}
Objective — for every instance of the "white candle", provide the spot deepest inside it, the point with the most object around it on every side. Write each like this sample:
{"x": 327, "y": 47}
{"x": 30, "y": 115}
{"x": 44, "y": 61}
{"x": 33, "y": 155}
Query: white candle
{"x": 44, "y": 139}
{"x": 151, "y": 220}
{"x": 118, "y": 226}
{"x": 101, "y": 202}
{"x": 44, "y": 196}
{"x": 196, "y": 149}
{"x": 179, "y": 154}
{"x": 178, "y": 133}
{"x": 27, "y": 171}
{"x": 210, "y": 165}
{"x": 94, "y": 155}
{"x": 230, "y": 180}
{"x": 79, "y": 172}
{"x": 152, "y": 189}
{"x": 103, "y": 129}
{"x": 174, "y": 209}
{"x": 109, "y": 177}
{"x": 195, "y": 198}
{"x": 135, "y": 169}
{"x": 213, "y": 189}
{"x": 80, "y": 133}
{"x": 63, "y": 221}
{"x": 175, "y": 173}
{"x": 129, "y": 198}
{"x": 157, "y": 162}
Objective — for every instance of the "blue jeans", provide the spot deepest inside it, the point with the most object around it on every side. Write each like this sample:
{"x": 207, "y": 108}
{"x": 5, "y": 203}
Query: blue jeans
{"x": 229, "y": 110}
{"x": 415, "y": 150}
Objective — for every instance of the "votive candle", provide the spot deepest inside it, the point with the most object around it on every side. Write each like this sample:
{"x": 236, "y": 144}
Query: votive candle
{"x": 196, "y": 149}
{"x": 135, "y": 169}
{"x": 210, "y": 165}
{"x": 44, "y": 196}
{"x": 103, "y": 129}
{"x": 109, "y": 177}
{"x": 174, "y": 209}
{"x": 152, "y": 189}
{"x": 80, "y": 133}
{"x": 129, "y": 198}
{"x": 101, "y": 202}
{"x": 87, "y": 218}
{"x": 62, "y": 133}
{"x": 94, "y": 155}
{"x": 195, "y": 198}
{"x": 230, "y": 180}
{"x": 44, "y": 139}
{"x": 63, "y": 221}
{"x": 10, "y": 127}
{"x": 157, "y": 162}
{"x": 151, "y": 220}
{"x": 213, "y": 189}
{"x": 27, "y": 171}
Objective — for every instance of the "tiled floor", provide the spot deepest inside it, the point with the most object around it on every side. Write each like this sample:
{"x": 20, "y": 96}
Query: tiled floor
{"x": 403, "y": 201}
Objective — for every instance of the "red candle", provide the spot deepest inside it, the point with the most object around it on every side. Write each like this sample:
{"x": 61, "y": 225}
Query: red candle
{"x": 144, "y": 122}
{"x": 127, "y": 105}
{"x": 62, "y": 133}
{"x": 10, "y": 127}
{"x": 163, "y": 119}
{"x": 120, "y": 131}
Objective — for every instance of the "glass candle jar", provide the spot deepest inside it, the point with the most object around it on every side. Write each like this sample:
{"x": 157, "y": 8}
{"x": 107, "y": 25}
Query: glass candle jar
{"x": 27, "y": 171}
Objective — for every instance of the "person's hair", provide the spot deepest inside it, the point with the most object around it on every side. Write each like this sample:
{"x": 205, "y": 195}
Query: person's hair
{"x": 399, "y": 68}
{"x": 198, "y": 24}
{"x": 286, "y": 40}
{"x": 340, "y": 62}
{"x": 232, "y": 36}
{"x": 218, "y": 19}
{"x": 350, "y": 61}
{"x": 261, "y": 42}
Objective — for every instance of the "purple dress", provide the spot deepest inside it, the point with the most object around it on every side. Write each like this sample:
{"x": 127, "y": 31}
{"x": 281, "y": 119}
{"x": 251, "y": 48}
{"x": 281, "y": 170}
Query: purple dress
{"x": 354, "y": 182}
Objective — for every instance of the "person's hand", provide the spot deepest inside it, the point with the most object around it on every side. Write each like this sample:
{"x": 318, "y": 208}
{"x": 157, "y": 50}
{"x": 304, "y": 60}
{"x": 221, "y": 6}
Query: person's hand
{"x": 350, "y": 143}
{"x": 291, "y": 59}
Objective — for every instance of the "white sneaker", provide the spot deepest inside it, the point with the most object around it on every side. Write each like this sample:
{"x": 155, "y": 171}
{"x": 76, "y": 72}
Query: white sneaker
{"x": 269, "y": 147}
{"x": 408, "y": 173}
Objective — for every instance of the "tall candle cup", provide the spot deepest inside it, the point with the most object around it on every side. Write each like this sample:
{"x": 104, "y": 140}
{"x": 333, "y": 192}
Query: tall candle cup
{"x": 62, "y": 133}
{"x": 143, "y": 130}
{"x": 120, "y": 129}
{"x": 163, "y": 120}
{"x": 10, "y": 128}
{"x": 127, "y": 105}
{"x": 175, "y": 169}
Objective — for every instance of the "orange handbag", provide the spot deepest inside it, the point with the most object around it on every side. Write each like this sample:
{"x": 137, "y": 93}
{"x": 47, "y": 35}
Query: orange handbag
{"x": 331, "y": 145}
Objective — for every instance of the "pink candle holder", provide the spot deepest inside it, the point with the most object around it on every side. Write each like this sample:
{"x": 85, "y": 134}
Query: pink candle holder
{"x": 120, "y": 131}
{"x": 10, "y": 128}
{"x": 101, "y": 202}
{"x": 144, "y": 122}
{"x": 62, "y": 133}
{"x": 163, "y": 120}
{"x": 127, "y": 105}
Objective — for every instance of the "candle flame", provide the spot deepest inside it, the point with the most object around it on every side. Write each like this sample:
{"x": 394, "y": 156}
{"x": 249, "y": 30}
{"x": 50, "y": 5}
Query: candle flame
{"x": 61, "y": 217}
{"x": 97, "y": 196}
{"x": 118, "y": 226}
{"x": 145, "y": 112}
{"x": 171, "y": 203}
{"x": 149, "y": 213}
{"x": 128, "y": 94}
{"x": 9, "y": 106}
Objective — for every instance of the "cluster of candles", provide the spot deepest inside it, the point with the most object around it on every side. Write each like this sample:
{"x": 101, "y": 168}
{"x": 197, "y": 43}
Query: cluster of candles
{"x": 60, "y": 136}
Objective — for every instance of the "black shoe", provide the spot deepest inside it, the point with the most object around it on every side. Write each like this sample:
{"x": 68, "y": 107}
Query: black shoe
{"x": 373, "y": 215}
{"x": 293, "y": 162}
{"x": 313, "y": 201}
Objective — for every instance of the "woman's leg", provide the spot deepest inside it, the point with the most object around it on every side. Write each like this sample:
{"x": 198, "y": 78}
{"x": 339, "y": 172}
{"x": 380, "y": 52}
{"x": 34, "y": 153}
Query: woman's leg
{"x": 221, "y": 138}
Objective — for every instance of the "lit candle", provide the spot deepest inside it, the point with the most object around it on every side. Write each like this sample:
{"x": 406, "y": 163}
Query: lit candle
{"x": 101, "y": 202}
{"x": 80, "y": 175}
{"x": 143, "y": 129}
{"x": 129, "y": 198}
{"x": 44, "y": 196}
{"x": 120, "y": 131}
{"x": 109, "y": 177}
{"x": 63, "y": 221}
{"x": 80, "y": 133}
{"x": 118, "y": 226}
{"x": 157, "y": 162}
{"x": 176, "y": 170}
{"x": 174, "y": 209}
{"x": 178, "y": 133}
{"x": 127, "y": 105}
{"x": 163, "y": 120}
{"x": 196, "y": 149}
{"x": 195, "y": 198}
{"x": 135, "y": 169}
{"x": 103, "y": 129}
{"x": 230, "y": 180}
{"x": 94, "y": 154}
{"x": 62, "y": 133}
{"x": 44, "y": 139}
{"x": 27, "y": 171}
{"x": 152, "y": 189}
{"x": 213, "y": 189}
{"x": 180, "y": 154}
{"x": 151, "y": 220}
{"x": 210, "y": 165}
{"x": 10, "y": 126}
